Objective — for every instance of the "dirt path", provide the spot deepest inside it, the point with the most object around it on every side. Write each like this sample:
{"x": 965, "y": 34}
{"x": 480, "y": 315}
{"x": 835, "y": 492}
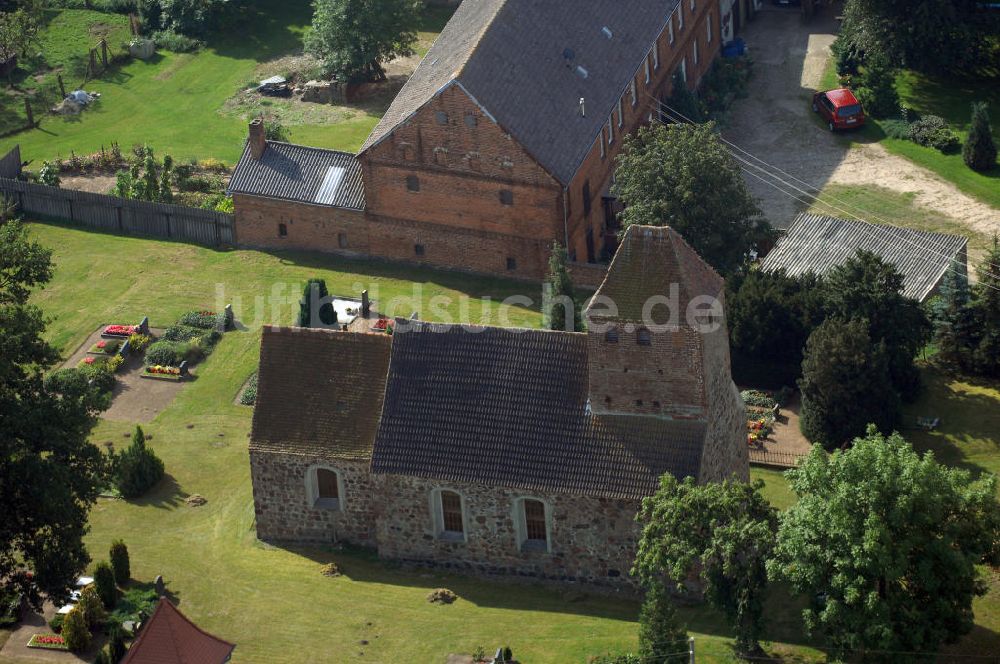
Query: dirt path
{"x": 776, "y": 124}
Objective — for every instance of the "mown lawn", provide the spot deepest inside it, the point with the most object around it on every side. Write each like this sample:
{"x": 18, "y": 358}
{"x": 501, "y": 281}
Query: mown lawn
{"x": 174, "y": 102}
{"x": 951, "y": 97}
{"x": 272, "y": 601}
{"x": 899, "y": 209}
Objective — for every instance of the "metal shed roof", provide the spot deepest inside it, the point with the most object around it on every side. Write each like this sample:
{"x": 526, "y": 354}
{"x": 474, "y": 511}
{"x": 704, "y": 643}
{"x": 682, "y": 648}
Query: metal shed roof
{"x": 817, "y": 243}
{"x": 300, "y": 173}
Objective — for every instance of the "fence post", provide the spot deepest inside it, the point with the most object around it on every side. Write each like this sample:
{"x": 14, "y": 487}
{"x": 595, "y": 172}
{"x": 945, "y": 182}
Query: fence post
{"x": 691, "y": 649}
{"x": 218, "y": 232}
{"x": 121, "y": 225}
{"x": 104, "y": 53}
{"x": 27, "y": 111}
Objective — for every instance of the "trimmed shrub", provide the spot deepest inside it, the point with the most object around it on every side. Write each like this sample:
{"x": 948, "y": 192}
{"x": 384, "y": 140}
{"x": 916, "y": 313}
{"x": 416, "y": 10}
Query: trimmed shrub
{"x": 165, "y": 353}
{"x": 92, "y": 607}
{"x": 181, "y": 333}
{"x": 138, "y": 467}
{"x": 896, "y": 129}
{"x": 327, "y": 314}
{"x": 116, "y": 644}
{"x": 56, "y": 624}
{"x": 75, "y": 631}
{"x": 104, "y": 582}
{"x": 979, "y": 151}
{"x": 205, "y": 320}
{"x": 249, "y": 396}
{"x": 120, "y": 562}
{"x": 138, "y": 342}
{"x": 176, "y": 42}
{"x": 932, "y": 131}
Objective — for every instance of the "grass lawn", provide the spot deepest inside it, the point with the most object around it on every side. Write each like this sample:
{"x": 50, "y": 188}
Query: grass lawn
{"x": 174, "y": 102}
{"x": 900, "y": 210}
{"x": 273, "y": 601}
{"x": 949, "y": 97}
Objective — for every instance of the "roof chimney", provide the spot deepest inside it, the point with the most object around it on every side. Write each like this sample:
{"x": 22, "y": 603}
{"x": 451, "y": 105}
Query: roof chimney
{"x": 258, "y": 143}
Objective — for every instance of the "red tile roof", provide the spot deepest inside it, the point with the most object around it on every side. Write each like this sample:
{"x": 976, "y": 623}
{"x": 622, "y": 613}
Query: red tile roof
{"x": 168, "y": 637}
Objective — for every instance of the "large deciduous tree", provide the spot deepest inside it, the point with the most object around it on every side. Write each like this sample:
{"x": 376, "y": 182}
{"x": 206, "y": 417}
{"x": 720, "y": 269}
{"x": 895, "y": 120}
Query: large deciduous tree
{"x": 682, "y": 176}
{"x": 928, "y": 35}
{"x": 18, "y": 30}
{"x": 49, "y": 473}
{"x": 845, "y": 384}
{"x": 354, "y": 38}
{"x": 885, "y": 542}
{"x": 723, "y": 531}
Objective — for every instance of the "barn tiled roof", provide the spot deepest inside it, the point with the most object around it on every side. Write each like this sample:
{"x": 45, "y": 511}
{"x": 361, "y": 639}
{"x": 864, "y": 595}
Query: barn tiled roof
{"x": 168, "y": 637}
{"x": 509, "y": 408}
{"x": 319, "y": 391}
{"x": 649, "y": 261}
{"x": 519, "y": 60}
{"x": 300, "y": 173}
{"x": 816, "y": 243}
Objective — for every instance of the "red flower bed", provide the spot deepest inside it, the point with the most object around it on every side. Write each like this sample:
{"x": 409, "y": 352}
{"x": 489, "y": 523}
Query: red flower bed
{"x": 102, "y": 344}
{"x": 120, "y": 330}
{"x": 50, "y": 641}
{"x": 383, "y": 325}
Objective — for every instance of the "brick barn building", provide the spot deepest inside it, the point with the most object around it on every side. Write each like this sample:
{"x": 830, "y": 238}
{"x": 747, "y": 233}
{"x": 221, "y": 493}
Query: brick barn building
{"x": 499, "y": 450}
{"x": 502, "y": 141}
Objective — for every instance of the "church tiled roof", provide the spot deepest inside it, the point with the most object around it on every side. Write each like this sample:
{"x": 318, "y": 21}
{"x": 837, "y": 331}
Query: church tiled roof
{"x": 319, "y": 391}
{"x": 509, "y": 408}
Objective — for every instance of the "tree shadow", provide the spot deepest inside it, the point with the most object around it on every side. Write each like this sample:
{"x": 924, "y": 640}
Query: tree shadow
{"x": 167, "y": 494}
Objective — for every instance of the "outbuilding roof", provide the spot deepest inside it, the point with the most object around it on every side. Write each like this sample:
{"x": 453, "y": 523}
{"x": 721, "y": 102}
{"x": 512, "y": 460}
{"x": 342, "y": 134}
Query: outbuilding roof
{"x": 529, "y": 64}
{"x": 301, "y": 173}
{"x": 816, "y": 243}
{"x": 319, "y": 391}
{"x": 168, "y": 637}
{"x": 509, "y": 408}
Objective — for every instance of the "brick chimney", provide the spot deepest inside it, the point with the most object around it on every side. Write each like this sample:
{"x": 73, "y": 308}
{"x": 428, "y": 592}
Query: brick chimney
{"x": 258, "y": 143}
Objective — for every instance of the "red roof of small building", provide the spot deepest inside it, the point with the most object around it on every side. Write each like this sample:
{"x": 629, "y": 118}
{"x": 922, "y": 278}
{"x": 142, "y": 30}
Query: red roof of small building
{"x": 842, "y": 97}
{"x": 168, "y": 637}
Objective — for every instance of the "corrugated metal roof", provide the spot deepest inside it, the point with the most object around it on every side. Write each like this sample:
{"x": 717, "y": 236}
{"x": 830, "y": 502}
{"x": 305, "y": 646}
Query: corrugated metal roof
{"x": 816, "y": 243}
{"x": 523, "y": 61}
{"x": 301, "y": 173}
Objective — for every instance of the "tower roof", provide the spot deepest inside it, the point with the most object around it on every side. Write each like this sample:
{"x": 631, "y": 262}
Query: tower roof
{"x": 170, "y": 638}
{"x": 649, "y": 260}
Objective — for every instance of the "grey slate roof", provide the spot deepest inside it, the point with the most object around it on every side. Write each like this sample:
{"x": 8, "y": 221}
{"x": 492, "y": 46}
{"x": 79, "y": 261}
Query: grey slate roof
{"x": 510, "y": 55}
{"x": 509, "y": 408}
{"x": 816, "y": 243}
{"x": 300, "y": 173}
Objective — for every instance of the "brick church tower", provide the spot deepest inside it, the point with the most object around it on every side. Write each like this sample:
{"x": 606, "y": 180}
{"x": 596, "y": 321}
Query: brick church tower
{"x": 659, "y": 345}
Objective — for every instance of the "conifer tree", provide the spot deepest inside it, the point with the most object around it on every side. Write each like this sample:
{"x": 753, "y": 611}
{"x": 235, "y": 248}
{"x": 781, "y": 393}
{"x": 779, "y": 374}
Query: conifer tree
{"x": 561, "y": 311}
{"x": 979, "y": 151}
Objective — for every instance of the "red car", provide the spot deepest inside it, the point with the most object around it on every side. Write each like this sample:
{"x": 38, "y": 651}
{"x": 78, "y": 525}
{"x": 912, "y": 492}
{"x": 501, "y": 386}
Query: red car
{"x": 840, "y": 108}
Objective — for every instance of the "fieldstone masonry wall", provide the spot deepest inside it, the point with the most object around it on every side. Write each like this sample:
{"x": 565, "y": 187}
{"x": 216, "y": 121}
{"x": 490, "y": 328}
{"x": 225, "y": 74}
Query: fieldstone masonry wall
{"x": 283, "y": 511}
{"x": 592, "y": 539}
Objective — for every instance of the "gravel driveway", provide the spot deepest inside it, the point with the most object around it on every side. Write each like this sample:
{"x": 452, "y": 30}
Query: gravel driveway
{"x": 775, "y": 123}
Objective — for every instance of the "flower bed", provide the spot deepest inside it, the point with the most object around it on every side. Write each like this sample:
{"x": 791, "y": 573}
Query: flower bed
{"x": 93, "y": 360}
{"x": 48, "y": 641}
{"x": 162, "y": 372}
{"x": 105, "y": 347}
{"x": 383, "y": 325}
{"x": 119, "y": 331}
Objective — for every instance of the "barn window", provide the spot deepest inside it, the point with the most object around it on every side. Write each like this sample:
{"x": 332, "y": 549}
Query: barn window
{"x": 708, "y": 28}
{"x": 511, "y": 264}
{"x": 645, "y": 68}
{"x": 441, "y": 117}
{"x": 282, "y": 230}
{"x": 611, "y": 336}
{"x": 448, "y": 509}
{"x": 695, "y": 51}
{"x": 506, "y": 197}
{"x": 643, "y": 337}
{"x": 470, "y": 120}
{"x": 324, "y": 488}
{"x": 342, "y": 240}
{"x": 533, "y": 521}
{"x": 680, "y": 17}
{"x": 656, "y": 55}
{"x": 631, "y": 89}
{"x": 670, "y": 29}
{"x": 412, "y": 183}
{"x": 418, "y": 249}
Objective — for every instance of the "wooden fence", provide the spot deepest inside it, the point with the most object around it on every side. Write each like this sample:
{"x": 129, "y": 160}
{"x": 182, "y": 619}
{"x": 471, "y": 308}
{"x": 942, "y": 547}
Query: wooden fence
{"x": 119, "y": 215}
{"x": 10, "y": 164}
